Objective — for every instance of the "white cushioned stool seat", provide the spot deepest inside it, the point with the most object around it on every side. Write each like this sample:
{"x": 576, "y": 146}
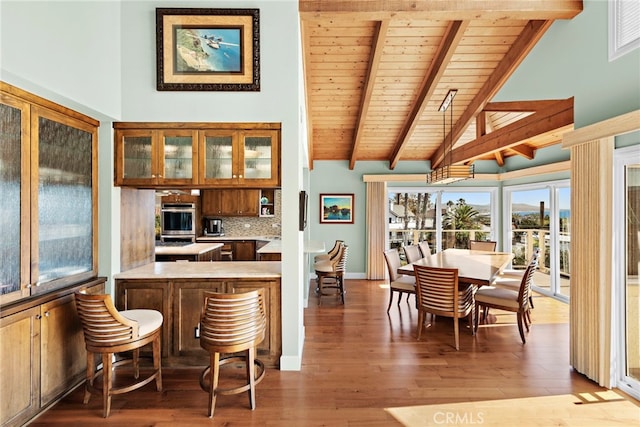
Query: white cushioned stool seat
{"x": 148, "y": 320}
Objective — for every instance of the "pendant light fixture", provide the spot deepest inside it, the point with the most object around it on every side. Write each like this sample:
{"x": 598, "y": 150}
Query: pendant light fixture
{"x": 448, "y": 173}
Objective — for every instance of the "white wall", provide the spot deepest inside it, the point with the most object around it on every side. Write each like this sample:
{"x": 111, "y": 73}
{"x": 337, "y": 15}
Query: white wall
{"x": 98, "y": 57}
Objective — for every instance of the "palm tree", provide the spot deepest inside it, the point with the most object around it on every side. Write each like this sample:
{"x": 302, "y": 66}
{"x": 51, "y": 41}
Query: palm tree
{"x": 460, "y": 216}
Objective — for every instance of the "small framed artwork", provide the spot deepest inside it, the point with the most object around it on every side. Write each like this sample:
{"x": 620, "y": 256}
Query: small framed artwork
{"x": 336, "y": 208}
{"x": 208, "y": 49}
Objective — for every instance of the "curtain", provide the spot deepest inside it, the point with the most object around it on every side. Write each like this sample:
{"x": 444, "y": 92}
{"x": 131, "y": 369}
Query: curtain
{"x": 376, "y": 230}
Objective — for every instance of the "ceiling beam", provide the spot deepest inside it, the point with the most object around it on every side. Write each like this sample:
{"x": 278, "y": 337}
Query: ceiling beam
{"x": 374, "y": 62}
{"x": 519, "y": 106}
{"x": 524, "y": 150}
{"x": 558, "y": 116}
{"x": 439, "y": 9}
{"x": 446, "y": 49}
{"x": 529, "y": 36}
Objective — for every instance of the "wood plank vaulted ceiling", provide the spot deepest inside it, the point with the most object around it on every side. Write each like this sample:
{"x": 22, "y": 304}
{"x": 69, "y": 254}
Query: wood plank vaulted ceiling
{"x": 376, "y": 72}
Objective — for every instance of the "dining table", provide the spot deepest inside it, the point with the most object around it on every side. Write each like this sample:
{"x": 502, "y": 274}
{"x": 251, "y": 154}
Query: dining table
{"x": 476, "y": 267}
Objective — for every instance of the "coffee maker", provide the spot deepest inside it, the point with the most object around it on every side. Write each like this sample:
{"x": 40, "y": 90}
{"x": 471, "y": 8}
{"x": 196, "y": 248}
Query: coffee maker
{"x": 213, "y": 227}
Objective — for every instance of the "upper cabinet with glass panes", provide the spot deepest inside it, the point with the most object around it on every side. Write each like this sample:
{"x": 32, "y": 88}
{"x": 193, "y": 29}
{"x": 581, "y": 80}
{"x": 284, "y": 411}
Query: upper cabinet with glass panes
{"x": 156, "y": 157}
{"x": 203, "y": 155}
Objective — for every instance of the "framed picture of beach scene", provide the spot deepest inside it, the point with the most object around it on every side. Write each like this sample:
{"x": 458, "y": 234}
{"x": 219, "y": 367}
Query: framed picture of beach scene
{"x": 208, "y": 49}
{"x": 336, "y": 208}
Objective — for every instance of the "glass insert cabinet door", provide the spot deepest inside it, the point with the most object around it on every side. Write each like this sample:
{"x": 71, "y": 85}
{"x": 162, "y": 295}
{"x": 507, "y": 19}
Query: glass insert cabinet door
{"x": 138, "y": 161}
{"x": 48, "y": 188}
{"x": 177, "y": 158}
{"x": 218, "y": 158}
{"x": 14, "y": 273}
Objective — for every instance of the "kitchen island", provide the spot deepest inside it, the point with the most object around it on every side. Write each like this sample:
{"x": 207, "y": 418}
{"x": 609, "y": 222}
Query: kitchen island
{"x": 176, "y": 289}
{"x": 189, "y": 252}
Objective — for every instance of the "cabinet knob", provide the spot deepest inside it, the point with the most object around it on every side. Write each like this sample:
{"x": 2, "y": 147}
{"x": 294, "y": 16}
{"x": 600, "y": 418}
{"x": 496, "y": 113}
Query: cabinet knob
{"x": 38, "y": 317}
{"x": 153, "y": 175}
{"x": 240, "y": 176}
{"x": 46, "y": 314}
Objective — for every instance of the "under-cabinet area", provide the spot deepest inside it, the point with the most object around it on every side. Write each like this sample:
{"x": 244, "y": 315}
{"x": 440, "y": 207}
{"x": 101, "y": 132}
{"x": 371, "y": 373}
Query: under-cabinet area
{"x": 42, "y": 352}
{"x": 177, "y": 291}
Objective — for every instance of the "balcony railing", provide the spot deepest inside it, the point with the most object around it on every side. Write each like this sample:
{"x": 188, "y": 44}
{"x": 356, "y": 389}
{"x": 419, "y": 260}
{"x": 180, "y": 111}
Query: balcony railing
{"x": 523, "y": 243}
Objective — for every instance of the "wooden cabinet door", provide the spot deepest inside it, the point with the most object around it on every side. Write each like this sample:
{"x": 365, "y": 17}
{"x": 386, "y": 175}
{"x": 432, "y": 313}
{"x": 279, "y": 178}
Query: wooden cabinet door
{"x": 188, "y": 303}
{"x": 259, "y": 158}
{"x": 244, "y": 250}
{"x": 270, "y": 347}
{"x": 136, "y": 157}
{"x": 63, "y": 354}
{"x": 178, "y": 157}
{"x": 228, "y": 202}
{"x": 211, "y": 202}
{"x": 20, "y": 367}
{"x": 154, "y": 295}
{"x": 218, "y": 160}
{"x": 248, "y": 203}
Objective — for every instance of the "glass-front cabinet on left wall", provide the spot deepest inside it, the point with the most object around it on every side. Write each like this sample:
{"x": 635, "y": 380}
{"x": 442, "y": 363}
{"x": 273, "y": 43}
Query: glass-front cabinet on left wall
{"x": 48, "y": 188}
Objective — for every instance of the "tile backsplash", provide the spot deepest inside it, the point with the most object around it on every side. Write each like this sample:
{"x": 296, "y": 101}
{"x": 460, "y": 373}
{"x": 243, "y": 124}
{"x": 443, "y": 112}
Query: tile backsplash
{"x": 258, "y": 226}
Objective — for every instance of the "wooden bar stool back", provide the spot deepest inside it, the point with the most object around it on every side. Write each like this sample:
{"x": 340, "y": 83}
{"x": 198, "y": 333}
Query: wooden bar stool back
{"x": 232, "y": 323}
{"x": 108, "y": 331}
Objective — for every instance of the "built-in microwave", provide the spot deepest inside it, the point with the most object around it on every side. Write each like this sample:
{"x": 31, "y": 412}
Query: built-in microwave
{"x": 178, "y": 220}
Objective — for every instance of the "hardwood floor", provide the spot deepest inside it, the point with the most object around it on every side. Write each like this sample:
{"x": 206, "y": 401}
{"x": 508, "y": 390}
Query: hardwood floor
{"x": 362, "y": 367}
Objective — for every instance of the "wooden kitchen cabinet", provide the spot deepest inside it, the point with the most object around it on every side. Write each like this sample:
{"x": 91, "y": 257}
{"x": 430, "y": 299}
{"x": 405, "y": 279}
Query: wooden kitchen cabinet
{"x": 156, "y": 157}
{"x": 231, "y": 202}
{"x": 42, "y": 351}
{"x": 48, "y": 170}
{"x": 202, "y": 155}
{"x": 187, "y": 307}
{"x": 148, "y": 294}
{"x": 244, "y": 250}
{"x": 270, "y": 347}
{"x": 243, "y": 157}
{"x": 180, "y": 301}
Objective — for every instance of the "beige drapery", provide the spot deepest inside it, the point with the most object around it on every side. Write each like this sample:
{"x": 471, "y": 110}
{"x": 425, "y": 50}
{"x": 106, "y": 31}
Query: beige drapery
{"x": 592, "y": 244}
{"x": 376, "y": 233}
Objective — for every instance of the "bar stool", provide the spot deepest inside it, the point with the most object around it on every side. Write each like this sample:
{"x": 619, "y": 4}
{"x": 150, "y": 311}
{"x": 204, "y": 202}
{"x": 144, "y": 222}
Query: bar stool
{"x": 231, "y": 323}
{"x": 108, "y": 331}
{"x": 332, "y": 271}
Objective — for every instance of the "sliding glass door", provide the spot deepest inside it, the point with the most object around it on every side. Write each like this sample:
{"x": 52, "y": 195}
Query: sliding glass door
{"x": 626, "y": 275}
{"x": 541, "y": 219}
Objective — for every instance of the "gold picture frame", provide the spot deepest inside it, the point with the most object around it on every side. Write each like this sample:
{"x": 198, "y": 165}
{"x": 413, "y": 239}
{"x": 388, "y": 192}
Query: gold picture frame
{"x": 208, "y": 49}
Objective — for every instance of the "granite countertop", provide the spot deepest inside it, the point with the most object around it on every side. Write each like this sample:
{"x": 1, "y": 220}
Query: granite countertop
{"x": 192, "y": 249}
{"x": 204, "y": 270}
{"x": 275, "y": 247}
{"x": 229, "y": 238}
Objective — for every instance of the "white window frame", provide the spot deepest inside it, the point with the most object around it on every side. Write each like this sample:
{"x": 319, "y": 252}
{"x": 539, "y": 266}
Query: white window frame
{"x": 621, "y": 158}
{"x": 438, "y": 190}
{"x": 619, "y": 22}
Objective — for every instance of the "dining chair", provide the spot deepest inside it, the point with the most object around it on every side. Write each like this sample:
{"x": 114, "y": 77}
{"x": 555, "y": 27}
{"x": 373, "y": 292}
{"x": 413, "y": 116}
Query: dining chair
{"x": 508, "y": 300}
{"x": 330, "y": 274}
{"x": 482, "y": 245}
{"x": 232, "y": 323}
{"x": 333, "y": 251}
{"x": 425, "y": 250}
{"x": 108, "y": 331}
{"x": 511, "y": 278}
{"x": 398, "y": 282}
{"x": 412, "y": 253}
{"x": 438, "y": 293}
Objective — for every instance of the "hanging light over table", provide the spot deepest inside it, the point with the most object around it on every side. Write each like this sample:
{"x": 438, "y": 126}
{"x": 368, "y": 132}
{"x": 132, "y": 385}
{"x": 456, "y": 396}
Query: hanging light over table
{"x": 448, "y": 173}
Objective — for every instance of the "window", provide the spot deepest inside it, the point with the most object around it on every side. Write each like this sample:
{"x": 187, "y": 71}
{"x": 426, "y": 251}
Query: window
{"x": 624, "y": 27}
{"x": 444, "y": 218}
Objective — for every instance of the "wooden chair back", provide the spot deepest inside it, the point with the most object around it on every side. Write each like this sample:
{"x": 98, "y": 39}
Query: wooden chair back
{"x": 102, "y": 324}
{"x": 232, "y": 322}
{"x": 482, "y": 245}
{"x": 437, "y": 291}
